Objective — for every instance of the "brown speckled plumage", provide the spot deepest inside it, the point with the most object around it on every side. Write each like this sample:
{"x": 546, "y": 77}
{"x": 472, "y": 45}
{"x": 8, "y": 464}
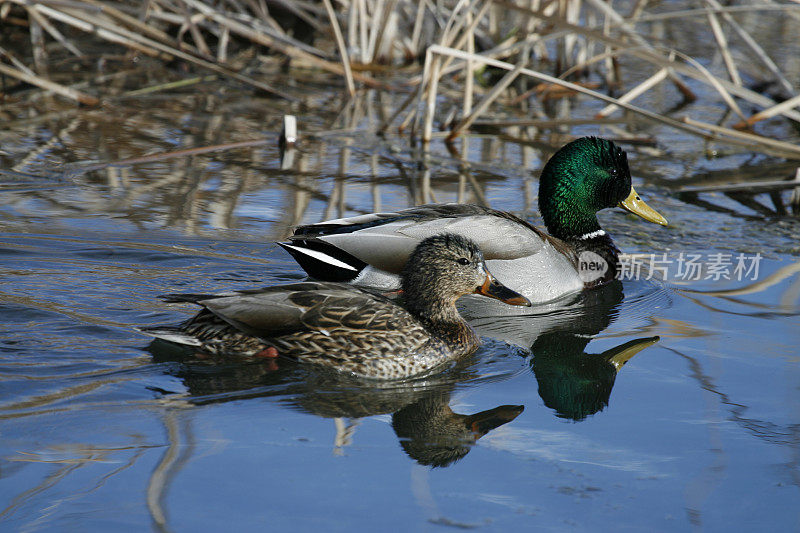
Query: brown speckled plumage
{"x": 346, "y": 328}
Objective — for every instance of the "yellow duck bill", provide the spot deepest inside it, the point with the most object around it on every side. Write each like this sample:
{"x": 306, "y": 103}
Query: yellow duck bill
{"x": 634, "y": 204}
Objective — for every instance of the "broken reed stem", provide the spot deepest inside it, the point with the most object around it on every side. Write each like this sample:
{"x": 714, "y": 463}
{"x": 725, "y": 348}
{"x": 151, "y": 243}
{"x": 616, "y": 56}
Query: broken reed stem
{"x": 433, "y": 67}
{"x": 769, "y": 113}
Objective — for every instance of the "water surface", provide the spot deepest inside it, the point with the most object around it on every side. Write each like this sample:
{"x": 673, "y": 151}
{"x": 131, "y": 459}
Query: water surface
{"x": 699, "y": 428}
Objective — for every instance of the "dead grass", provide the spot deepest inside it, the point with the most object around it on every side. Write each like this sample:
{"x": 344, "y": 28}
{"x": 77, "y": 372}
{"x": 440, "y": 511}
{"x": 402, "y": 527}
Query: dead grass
{"x": 533, "y": 55}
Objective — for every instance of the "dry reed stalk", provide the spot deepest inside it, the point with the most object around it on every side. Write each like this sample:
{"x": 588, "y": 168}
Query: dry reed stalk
{"x": 722, "y": 44}
{"x": 37, "y": 44}
{"x": 337, "y": 32}
{"x": 547, "y": 123}
{"x": 16, "y": 62}
{"x": 469, "y": 80}
{"x": 499, "y": 87}
{"x": 715, "y": 83}
{"x": 190, "y": 24}
{"x": 789, "y": 150}
{"x": 627, "y": 29}
{"x": 640, "y": 89}
{"x": 222, "y": 46}
{"x": 126, "y": 19}
{"x": 54, "y": 33}
{"x": 469, "y": 29}
{"x": 270, "y": 42}
{"x": 769, "y": 113}
{"x": 380, "y": 22}
{"x": 651, "y": 55}
{"x": 447, "y": 68}
{"x": 167, "y": 86}
{"x": 433, "y": 66}
{"x": 700, "y": 129}
{"x": 250, "y": 20}
{"x": 754, "y": 46}
{"x": 718, "y": 9}
{"x": 417, "y": 30}
{"x": 48, "y": 85}
{"x": 430, "y": 92}
{"x": 91, "y": 24}
{"x": 753, "y": 187}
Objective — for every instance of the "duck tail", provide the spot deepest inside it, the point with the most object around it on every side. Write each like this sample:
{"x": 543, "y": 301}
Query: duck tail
{"x": 186, "y": 297}
{"x": 171, "y": 334}
{"x": 324, "y": 261}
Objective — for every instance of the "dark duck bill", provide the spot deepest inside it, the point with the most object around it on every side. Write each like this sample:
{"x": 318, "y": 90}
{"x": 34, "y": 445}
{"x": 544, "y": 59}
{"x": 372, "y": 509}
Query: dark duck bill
{"x": 494, "y": 289}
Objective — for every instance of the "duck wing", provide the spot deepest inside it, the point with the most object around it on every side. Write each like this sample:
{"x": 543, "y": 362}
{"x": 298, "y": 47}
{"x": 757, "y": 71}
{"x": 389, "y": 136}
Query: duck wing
{"x": 309, "y": 306}
{"x": 384, "y": 241}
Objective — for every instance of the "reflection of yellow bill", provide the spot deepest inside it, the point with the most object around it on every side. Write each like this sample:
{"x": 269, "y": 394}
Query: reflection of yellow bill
{"x": 636, "y": 205}
{"x": 624, "y": 352}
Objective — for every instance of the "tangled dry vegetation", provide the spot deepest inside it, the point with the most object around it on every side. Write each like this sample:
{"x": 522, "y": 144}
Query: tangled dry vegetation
{"x": 463, "y": 63}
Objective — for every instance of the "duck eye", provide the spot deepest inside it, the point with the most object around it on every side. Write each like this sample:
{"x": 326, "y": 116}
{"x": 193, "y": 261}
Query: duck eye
{"x": 463, "y": 261}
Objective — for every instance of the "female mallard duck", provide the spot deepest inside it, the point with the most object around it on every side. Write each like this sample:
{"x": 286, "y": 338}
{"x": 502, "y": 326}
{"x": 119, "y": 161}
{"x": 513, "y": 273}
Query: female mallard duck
{"x": 350, "y": 329}
{"x": 432, "y": 434}
{"x": 583, "y": 177}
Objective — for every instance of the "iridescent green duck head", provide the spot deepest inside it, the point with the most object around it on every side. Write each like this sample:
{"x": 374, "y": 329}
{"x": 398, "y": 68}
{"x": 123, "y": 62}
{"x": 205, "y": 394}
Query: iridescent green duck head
{"x": 583, "y": 177}
{"x": 445, "y": 267}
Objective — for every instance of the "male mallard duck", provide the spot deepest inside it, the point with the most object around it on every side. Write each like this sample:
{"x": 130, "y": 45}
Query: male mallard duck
{"x": 347, "y": 328}
{"x": 583, "y": 177}
{"x": 574, "y": 383}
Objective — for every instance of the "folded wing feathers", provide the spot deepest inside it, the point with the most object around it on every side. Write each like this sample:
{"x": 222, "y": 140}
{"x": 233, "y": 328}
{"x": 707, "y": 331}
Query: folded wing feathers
{"x": 276, "y": 310}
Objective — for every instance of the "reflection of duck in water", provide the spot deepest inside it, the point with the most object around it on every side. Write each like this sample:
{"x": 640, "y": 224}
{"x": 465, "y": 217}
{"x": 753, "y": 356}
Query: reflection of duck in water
{"x": 574, "y": 383}
{"x": 432, "y": 434}
{"x": 346, "y": 328}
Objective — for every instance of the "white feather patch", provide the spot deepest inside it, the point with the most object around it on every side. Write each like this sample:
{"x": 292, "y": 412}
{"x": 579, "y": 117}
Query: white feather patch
{"x": 173, "y": 336}
{"x": 592, "y": 235}
{"x": 319, "y": 256}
